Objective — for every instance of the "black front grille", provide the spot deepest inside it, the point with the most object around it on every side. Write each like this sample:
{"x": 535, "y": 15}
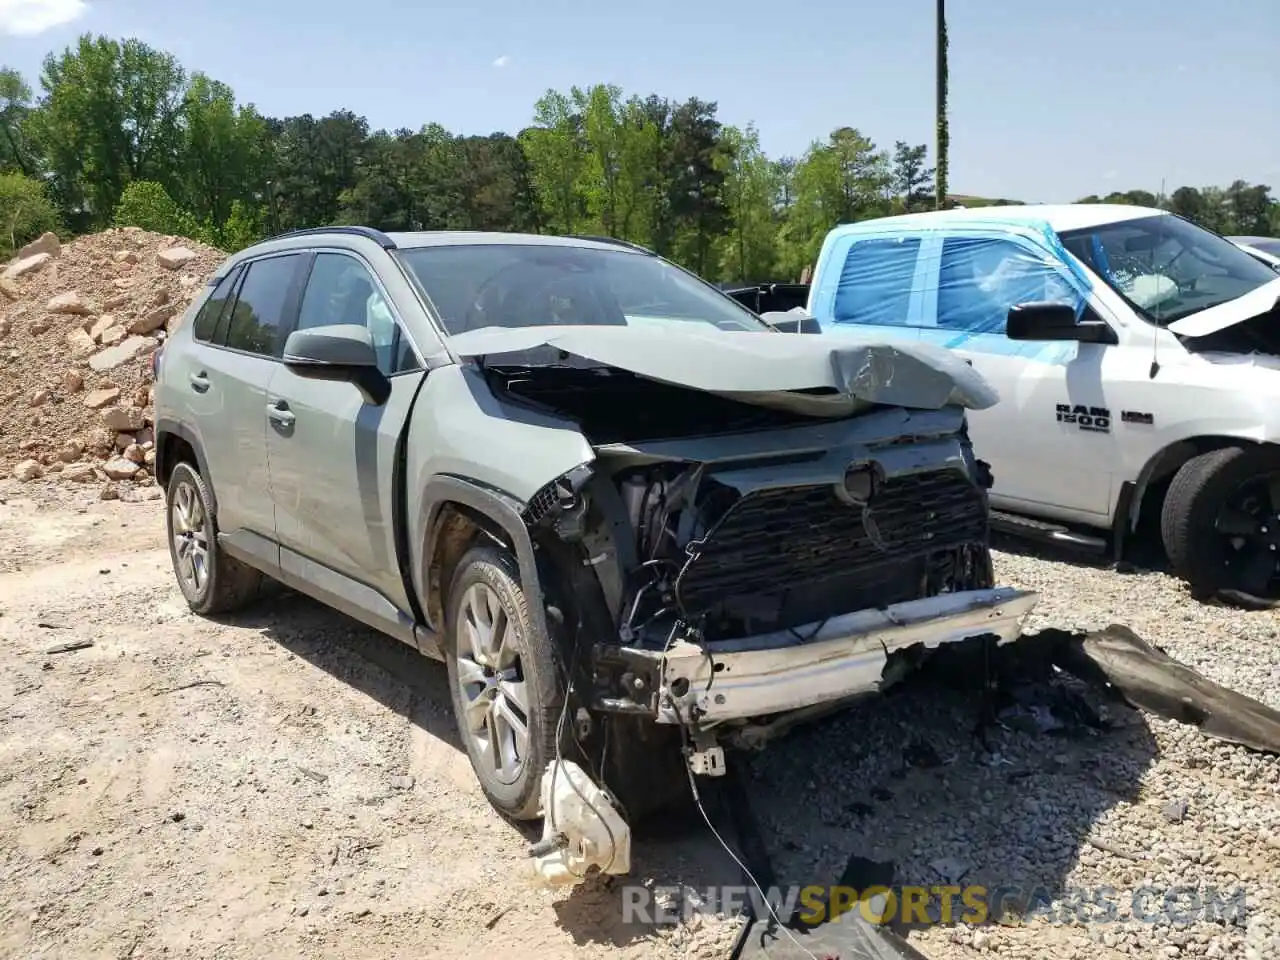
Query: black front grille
{"x": 773, "y": 538}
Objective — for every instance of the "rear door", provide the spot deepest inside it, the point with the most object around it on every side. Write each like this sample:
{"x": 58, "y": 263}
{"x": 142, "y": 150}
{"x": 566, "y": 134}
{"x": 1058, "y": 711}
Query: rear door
{"x": 332, "y": 454}
{"x": 233, "y": 356}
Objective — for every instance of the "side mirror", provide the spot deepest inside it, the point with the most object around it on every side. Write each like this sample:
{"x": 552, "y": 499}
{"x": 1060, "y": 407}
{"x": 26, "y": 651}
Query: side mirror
{"x": 791, "y": 321}
{"x": 338, "y": 352}
{"x": 1055, "y": 321}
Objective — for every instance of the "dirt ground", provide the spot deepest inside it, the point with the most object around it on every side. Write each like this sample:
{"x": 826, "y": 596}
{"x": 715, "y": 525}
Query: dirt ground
{"x": 287, "y": 783}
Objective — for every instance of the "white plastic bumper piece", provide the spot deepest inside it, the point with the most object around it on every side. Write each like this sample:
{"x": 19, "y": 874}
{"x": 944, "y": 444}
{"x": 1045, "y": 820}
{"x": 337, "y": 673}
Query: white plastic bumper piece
{"x": 580, "y": 828}
{"x": 842, "y": 657}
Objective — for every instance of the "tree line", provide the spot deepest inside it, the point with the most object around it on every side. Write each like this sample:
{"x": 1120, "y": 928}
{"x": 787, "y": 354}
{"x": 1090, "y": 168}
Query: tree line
{"x": 120, "y": 133}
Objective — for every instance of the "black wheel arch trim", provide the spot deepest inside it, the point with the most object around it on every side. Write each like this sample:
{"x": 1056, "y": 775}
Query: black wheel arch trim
{"x": 496, "y": 506}
{"x": 1165, "y": 462}
{"x": 166, "y": 425}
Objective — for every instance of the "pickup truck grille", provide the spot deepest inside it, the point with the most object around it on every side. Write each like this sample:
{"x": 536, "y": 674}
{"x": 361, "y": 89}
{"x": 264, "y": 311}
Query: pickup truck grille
{"x": 801, "y": 535}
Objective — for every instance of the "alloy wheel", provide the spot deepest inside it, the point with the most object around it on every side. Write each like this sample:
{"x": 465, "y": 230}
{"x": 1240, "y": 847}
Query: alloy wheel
{"x": 490, "y": 676}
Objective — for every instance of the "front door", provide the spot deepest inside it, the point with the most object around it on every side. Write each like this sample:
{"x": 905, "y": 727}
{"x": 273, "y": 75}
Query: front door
{"x": 332, "y": 454}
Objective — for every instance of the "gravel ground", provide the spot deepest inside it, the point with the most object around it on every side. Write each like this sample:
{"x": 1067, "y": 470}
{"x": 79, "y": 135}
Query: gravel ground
{"x": 287, "y": 784}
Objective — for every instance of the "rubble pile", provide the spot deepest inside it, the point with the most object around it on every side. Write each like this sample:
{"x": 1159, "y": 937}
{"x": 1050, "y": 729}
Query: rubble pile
{"x": 78, "y": 325}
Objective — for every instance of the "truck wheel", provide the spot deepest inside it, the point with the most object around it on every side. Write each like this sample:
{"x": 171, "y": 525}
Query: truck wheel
{"x": 211, "y": 581}
{"x": 1221, "y": 522}
{"x": 506, "y": 689}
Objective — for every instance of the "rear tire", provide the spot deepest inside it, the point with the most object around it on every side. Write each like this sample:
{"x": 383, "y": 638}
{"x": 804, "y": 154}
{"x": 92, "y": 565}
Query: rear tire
{"x": 1195, "y": 533}
{"x": 211, "y": 581}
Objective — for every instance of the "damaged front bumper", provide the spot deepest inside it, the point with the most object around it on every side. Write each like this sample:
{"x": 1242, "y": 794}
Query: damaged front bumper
{"x": 823, "y": 663}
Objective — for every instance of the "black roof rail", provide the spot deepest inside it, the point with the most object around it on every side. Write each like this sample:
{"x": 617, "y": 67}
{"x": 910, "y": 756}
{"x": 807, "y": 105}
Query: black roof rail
{"x": 616, "y": 241}
{"x": 377, "y": 236}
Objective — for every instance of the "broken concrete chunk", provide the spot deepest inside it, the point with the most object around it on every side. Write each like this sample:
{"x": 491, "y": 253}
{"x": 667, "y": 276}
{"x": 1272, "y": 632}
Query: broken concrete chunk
{"x": 47, "y": 242}
{"x": 28, "y": 470}
{"x": 123, "y": 419}
{"x": 112, "y": 335}
{"x": 71, "y": 451}
{"x": 25, "y": 266}
{"x": 120, "y": 353}
{"x": 9, "y": 288}
{"x": 175, "y": 258}
{"x": 70, "y": 303}
{"x": 78, "y": 472}
{"x": 97, "y": 399}
{"x": 101, "y": 325}
{"x": 80, "y": 344}
{"x": 118, "y": 468}
{"x": 72, "y": 382}
{"x": 152, "y": 320}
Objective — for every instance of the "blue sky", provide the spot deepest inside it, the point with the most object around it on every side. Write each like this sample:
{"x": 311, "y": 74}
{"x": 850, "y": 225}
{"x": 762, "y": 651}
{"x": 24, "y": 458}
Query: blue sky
{"x": 1049, "y": 101}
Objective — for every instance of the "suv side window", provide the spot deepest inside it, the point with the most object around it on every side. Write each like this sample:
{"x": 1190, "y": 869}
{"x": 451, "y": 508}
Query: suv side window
{"x": 341, "y": 290}
{"x": 206, "y": 322}
{"x": 980, "y": 278}
{"x": 877, "y": 281}
{"x": 259, "y": 309}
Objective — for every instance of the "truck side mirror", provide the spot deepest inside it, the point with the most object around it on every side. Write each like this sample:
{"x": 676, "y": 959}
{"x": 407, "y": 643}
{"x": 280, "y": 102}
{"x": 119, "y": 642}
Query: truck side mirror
{"x": 1056, "y": 321}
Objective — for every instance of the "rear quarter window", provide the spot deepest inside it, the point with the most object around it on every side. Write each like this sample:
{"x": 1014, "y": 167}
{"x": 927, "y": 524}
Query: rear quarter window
{"x": 876, "y": 282}
{"x": 206, "y": 322}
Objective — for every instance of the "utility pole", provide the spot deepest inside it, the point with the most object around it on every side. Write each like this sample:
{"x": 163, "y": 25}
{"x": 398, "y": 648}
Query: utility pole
{"x": 942, "y": 135}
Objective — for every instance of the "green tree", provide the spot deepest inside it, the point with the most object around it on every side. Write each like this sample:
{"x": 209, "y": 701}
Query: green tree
{"x": 224, "y": 151}
{"x": 750, "y": 194}
{"x": 111, "y": 113}
{"x": 556, "y": 151}
{"x": 15, "y": 107}
{"x": 314, "y": 162}
{"x": 147, "y": 204}
{"x": 912, "y": 180}
{"x": 25, "y": 212}
{"x": 694, "y": 180}
{"x": 841, "y": 181}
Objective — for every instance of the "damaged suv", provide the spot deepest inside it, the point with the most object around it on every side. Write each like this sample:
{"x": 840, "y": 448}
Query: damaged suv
{"x": 628, "y": 513}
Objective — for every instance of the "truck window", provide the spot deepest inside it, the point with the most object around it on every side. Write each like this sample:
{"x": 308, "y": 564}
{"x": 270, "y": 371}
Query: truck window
{"x": 876, "y": 282}
{"x": 980, "y": 278}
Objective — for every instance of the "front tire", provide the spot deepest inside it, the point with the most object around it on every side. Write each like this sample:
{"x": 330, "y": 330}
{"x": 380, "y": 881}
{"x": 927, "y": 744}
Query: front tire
{"x": 505, "y": 682}
{"x": 211, "y": 581}
{"x": 1221, "y": 523}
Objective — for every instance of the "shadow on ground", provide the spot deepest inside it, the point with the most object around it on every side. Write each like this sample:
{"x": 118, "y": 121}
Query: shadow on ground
{"x": 909, "y": 785}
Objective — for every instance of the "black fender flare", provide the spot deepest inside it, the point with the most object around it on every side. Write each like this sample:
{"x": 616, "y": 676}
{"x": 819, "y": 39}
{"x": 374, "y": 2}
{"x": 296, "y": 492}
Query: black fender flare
{"x": 501, "y": 509}
{"x": 167, "y": 425}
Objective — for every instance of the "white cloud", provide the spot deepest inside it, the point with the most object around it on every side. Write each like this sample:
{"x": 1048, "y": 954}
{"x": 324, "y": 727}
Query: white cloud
{"x": 501, "y": 62}
{"x": 1110, "y": 175}
{"x": 26, "y": 18}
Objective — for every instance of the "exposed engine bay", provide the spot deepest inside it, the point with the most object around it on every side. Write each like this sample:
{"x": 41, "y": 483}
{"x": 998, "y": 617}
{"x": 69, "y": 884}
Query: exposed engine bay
{"x": 734, "y": 563}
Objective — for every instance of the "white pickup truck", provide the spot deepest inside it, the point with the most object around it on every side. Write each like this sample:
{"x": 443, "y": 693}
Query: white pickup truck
{"x": 1137, "y": 357}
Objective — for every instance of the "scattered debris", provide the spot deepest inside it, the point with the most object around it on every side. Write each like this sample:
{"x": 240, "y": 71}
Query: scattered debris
{"x": 188, "y": 686}
{"x": 402, "y": 783}
{"x": 70, "y": 646}
{"x": 1107, "y": 847}
{"x": 1175, "y": 811}
{"x": 1151, "y": 680}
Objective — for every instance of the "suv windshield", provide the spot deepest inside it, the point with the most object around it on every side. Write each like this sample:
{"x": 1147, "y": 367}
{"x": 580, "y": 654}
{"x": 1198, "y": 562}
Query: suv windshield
{"x": 1165, "y": 266}
{"x": 525, "y": 285}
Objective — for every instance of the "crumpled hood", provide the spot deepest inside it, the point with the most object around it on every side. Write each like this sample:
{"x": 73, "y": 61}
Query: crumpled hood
{"x": 766, "y": 368}
{"x": 1252, "y": 304}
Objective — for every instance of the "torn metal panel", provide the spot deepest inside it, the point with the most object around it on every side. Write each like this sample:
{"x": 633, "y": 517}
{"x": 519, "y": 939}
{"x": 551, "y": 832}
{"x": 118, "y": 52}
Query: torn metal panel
{"x": 1151, "y": 680}
{"x": 828, "y": 661}
{"x": 811, "y": 375}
